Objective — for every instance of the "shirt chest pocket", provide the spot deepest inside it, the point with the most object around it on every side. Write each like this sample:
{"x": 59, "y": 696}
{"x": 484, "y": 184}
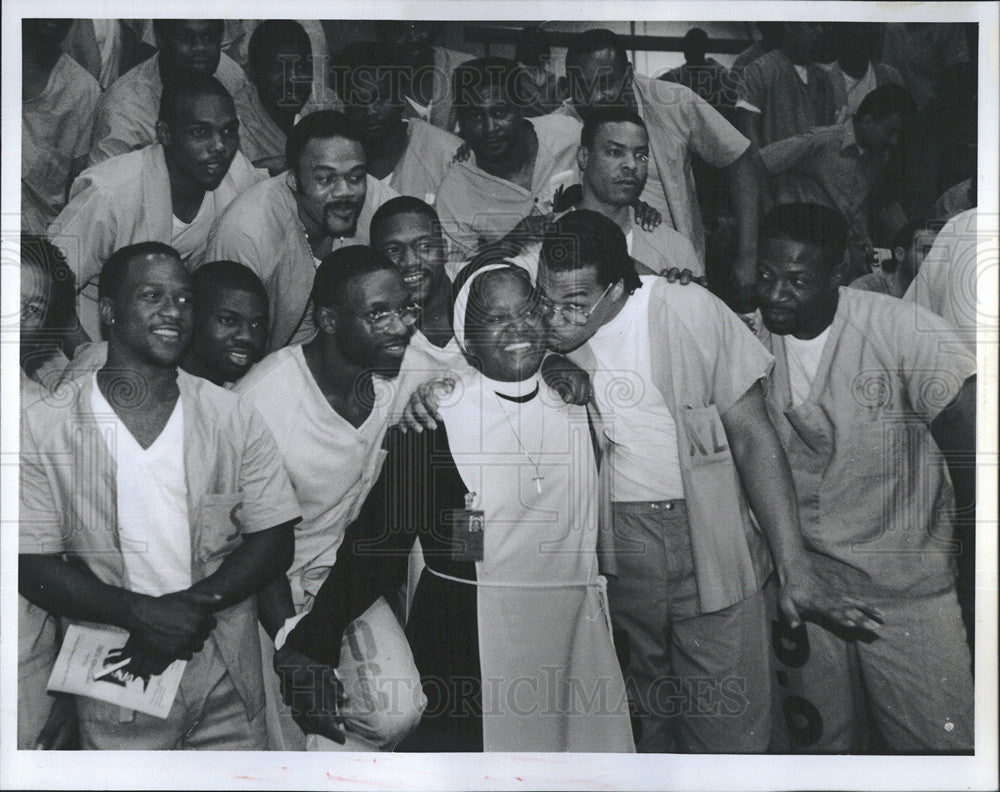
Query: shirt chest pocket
{"x": 220, "y": 529}
{"x": 875, "y": 448}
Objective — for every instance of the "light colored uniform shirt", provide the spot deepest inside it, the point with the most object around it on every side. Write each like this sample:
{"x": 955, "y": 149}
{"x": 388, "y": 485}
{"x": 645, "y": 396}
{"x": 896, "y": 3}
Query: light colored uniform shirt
{"x": 874, "y": 496}
{"x": 663, "y": 248}
{"x": 680, "y": 124}
{"x": 331, "y": 463}
{"x": 55, "y": 130}
{"x": 153, "y": 527}
{"x": 636, "y": 418}
{"x": 236, "y": 485}
{"x": 429, "y": 153}
{"x": 803, "y": 363}
{"x": 124, "y": 200}
{"x": 476, "y": 207}
{"x": 126, "y": 114}
{"x": 262, "y": 230}
{"x": 787, "y": 105}
{"x": 947, "y": 281}
{"x": 848, "y": 92}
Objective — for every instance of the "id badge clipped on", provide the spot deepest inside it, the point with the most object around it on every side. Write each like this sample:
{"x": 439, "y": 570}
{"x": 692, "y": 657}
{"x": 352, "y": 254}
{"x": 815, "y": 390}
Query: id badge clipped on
{"x": 467, "y": 532}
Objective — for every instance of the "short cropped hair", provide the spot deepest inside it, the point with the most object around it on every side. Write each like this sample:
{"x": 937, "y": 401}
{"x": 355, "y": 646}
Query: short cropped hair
{"x": 270, "y": 34}
{"x": 607, "y": 115}
{"x": 177, "y": 91}
{"x": 342, "y": 266}
{"x": 214, "y": 277}
{"x": 811, "y": 224}
{"x": 481, "y": 74}
{"x": 115, "y": 269}
{"x": 163, "y": 27}
{"x": 589, "y": 42}
{"x": 320, "y": 125}
{"x": 887, "y": 100}
{"x": 403, "y": 204}
{"x": 585, "y": 238}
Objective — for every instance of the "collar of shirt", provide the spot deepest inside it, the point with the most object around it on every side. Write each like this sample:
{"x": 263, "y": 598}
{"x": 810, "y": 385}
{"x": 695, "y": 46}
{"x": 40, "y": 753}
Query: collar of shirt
{"x": 849, "y": 140}
{"x": 514, "y": 390}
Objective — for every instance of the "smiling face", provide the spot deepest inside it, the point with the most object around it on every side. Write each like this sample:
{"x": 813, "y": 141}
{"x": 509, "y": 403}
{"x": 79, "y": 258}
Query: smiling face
{"x": 796, "y": 287}
{"x": 411, "y": 242}
{"x": 330, "y": 185}
{"x": 615, "y": 167}
{"x": 152, "y": 311}
{"x": 373, "y": 344}
{"x": 490, "y": 123}
{"x": 201, "y": 141}
{"x": 505, "y": 334}
{"x": 190, "y": 46}
{"x": 230, "y": 332}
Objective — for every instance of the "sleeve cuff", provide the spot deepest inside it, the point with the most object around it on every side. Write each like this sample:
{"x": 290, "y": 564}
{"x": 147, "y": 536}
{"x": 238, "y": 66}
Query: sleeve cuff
{"x": 286, "y": 628}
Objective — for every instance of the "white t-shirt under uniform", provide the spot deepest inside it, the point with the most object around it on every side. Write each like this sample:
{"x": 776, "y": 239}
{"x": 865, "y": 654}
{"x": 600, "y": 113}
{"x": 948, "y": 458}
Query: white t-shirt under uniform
{"x": 153, "y": 526}
{"x": 803, "y": 363}
{"x": 637, "y": 420}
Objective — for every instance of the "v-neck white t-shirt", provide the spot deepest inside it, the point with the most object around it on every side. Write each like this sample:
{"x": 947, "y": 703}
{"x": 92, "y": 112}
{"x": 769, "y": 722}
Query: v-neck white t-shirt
{"x": 803, "y": 362}
{"x": 151, "y": 487}
{"x": 189, "y": 238}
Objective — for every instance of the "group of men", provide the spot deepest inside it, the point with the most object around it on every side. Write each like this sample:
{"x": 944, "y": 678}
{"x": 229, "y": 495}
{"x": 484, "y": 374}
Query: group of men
{"x": 237, "y": 277}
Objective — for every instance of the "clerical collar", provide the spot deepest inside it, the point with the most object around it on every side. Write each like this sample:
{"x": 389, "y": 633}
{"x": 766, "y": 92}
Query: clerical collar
{"x": 519, "y": 392}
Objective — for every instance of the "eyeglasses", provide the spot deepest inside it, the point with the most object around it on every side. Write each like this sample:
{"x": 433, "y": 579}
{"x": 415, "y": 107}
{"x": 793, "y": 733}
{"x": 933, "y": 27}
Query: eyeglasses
{"x": 425, "y": 247}
{"x": 382, "y": 320}
{"x": 571, "y": 314}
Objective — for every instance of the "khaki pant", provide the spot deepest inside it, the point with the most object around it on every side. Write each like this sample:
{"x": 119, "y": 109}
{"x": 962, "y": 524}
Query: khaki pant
{"x": 207, "y": 714}
{"x": 37, "y": 647}
{"x": 697, "y": 682}
{"x": 911, "y": 685}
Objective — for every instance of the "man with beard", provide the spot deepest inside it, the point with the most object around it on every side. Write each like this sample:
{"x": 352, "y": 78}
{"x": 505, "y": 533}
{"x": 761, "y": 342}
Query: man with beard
{"x": 407, "y": 153}
{"x": 188, "y": 49}
{"x": 680, "y": 124}
{"x": 869, "y": 394}
{"x": 157, "y": 547}
{"x": 279, "y": 66}
{"x": 283, "y": 227}
{"x": 58, "y": 98}
{"x": 171, "y": 191}
{"x": 230, "y": 327}
{"x": 428, "y": 92}
{"x": 677, "y": 378}
{"x": 521, "y": 166}
{"x": 329, "y": 403}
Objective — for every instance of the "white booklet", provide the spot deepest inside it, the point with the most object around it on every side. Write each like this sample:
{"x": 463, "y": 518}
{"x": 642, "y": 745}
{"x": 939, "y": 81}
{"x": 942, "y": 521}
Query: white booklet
{"x": 84, "y": 655}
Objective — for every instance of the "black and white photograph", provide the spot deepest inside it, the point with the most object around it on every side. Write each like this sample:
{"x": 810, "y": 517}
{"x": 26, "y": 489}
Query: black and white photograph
{"x": 450, "y": 395}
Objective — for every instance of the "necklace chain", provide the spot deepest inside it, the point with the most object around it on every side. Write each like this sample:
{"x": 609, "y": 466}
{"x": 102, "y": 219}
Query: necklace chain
{"x": 538, "y": 478}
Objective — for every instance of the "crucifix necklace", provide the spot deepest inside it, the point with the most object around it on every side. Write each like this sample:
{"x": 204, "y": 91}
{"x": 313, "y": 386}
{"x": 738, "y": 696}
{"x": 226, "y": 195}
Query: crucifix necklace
{"x": 538, "y": 478}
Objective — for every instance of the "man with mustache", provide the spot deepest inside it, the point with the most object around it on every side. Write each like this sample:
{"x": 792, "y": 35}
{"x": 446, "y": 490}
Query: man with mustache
{"x": 187, "y": 514}
{"x": 329, "y": 403}
{"x": 283, "y": 227}
{"x": 680, "y": 124}
{"x": 170, "y": 192}
{"x": 125, "y": 119}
